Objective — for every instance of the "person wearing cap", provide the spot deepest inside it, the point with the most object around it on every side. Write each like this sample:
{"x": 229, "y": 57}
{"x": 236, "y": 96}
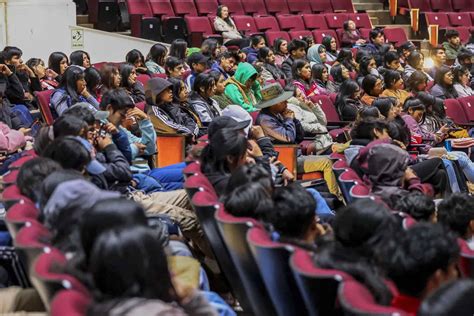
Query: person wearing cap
{"x": 243, "y": 88}
{"x": 452, "y": 45}
{"x": 198, "y": 63}
{"x": 279, "y": 123}
{"x": 166, "y": 116}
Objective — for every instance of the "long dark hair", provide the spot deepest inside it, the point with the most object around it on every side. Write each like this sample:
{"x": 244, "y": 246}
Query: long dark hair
{"x": 345, "y": 57}
{"x": 203, "y": 81}
{"x": 125, "y": 71}
{"x": 157, "y": 54}
{"x": 327, "y": 43}
{"x": 93, "y": 80}
{"x": 450, "y": 91}
{"x": 177, "y": 85}
{"x": 69, "y": 80}
{"x": 107, "y": 74}
{"x": 219, "y": 14}
{"x": 360, "y": 230}
{"x": 336, "y": 73}
{"x": 77, "y": 58}
{"x": 317, "y": 72}
{"x": 178, "y": 49}
{"x": 54, "y": 61}
{"x": 135, "y": 55}
{"x": 276, "y": 45}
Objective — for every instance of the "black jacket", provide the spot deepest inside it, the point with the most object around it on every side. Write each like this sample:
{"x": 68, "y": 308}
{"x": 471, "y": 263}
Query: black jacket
{"x": 118, "y": 173}
{"x": 286, "y": 67}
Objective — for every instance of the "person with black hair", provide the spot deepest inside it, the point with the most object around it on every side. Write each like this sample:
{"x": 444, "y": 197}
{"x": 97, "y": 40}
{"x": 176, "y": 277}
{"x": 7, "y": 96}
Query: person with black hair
{"x": 361, "y": 231}
{"x": 417, "y": 84}
{"x": 58, "y": 62}
{"x": 297, "y": 50}
{"x": 367, "y": 128}
{"x": 452, "y": 298}
{"x": 367, "y": 66}
{"x": 256, "y": 42}
{"x": 351, "y": 36}
{"x": 179, "y": 49}
{"x": 280, "y": 48}
{"x": 136, "y": 58}
{"x": 128, "y": 74}
{"x": 331, "y": 48}
{"x": 140, "y": 288}
{"x": 391, "y": 61}
{"x": 438, "y": 56}
{"x": 388, "y": 107}
{"x": 424, "y": 258}
{"x": 166, "y": 111}
{"x": 73, "y": 89}
{"x": 200, "y": 99}
{"x": 198, "y": 64}
{"x": 174, "y": 67}
{"x": 302, "y": 78}
{"x": 373, "y": 87}
{"x": 394, "y": 86}
{"x": 376, "y": 40}
{"x": 453, "y": 44}
{"x": 270, "y": 70}
{"x": 292, "y": 217}
{"x": 110, "y": 78}
{"x": 155, "y": 60}
{"x": 43, "y": 74}
{"x": 316, "y": 54}
{"x": 419, "y": 206}
{"x": 224, "y": 24}
{"x": 346, "y": 58}
{"x": 93, "y": 82}
{"x": 456, "y": 212}
{"x": 32, "y": 174}
{"x": 444, "y": 84}
{"x": 211, "y": 48}
{"x": 80, "y": 58}
{"x": 462, "y": 80}
{"x": 347, "y": 101}
{"x": 320, "y": 75}
{"x": 405, "y": 49}
{"x": 339, "y": 74}
{"x": 225, "y": 63}
{"x": 415, "y": 63}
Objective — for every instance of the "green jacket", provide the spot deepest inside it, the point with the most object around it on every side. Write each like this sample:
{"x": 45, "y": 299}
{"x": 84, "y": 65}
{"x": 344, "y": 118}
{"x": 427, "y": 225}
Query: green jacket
{"x": 451, "y": 52}
{"x": 236, "y": 91}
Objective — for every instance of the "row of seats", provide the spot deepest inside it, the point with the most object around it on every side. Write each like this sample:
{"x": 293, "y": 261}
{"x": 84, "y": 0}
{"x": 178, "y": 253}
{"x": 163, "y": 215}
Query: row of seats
{"x": 436, "y": 5}
{"x": 462, "y": 22}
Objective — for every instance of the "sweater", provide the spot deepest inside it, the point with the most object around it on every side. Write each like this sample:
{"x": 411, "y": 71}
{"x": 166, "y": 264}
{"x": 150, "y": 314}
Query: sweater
{"x": 229, "y": 32}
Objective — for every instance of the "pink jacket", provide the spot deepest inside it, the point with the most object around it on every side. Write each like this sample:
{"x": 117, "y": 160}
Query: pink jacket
{"x": 10, "y": 140}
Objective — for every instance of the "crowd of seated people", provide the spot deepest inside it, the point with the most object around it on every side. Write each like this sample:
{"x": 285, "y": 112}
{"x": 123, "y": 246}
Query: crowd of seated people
{"x": 127, "y": 225}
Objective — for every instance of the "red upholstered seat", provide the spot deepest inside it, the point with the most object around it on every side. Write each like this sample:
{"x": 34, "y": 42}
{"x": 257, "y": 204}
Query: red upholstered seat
{"x": 12, "y": 195}
{"x": 441, "y": 5}
{"x": 199, "y": 182}
{"x": 267, "y": 23}
{"x": 245, "y": 23}
{"x": 460, "y": 19}
{"x": 299, "y": 6}
{"x": 362, "y": 20}
{"x": 336, "y": 20}
{"x": 71, "y": 303}
{"x": 143, "y": 79}
{"x": 343, "y": 5}
{"x": 291, "y": 22}
{"x": 456, "y": 112}
{"x": 19, "y": 214}
{"x": 360, "y": 191}
{"x": 192, "y": 169}
{"x": 300, "y": 34}
{"x": 44, "y": 98}
{"x": 207, "y": 7}
{"x": 273, "y": 35}
{"x": 437, "y": 18}
{"x": 10, "y": 177}
{"x": 19, "y": 162}
{"x": 184, "y": 7}
{"x": 395, "y": 35}
{"x": 277, "y": 7}
{"x": 321, "y": 6}
{"x": 466, "y": 263}
{"x": 315, "y": 21}
{"x": 320, "y": 34}
{"x": 199, "y": 27}
{"x": 255, "y": 7}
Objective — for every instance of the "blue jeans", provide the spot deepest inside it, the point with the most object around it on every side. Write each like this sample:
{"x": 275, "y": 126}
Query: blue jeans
{"x": 465, "y": 163}
{"x": 322, "y": 208}
{"x": 170, "y": 177}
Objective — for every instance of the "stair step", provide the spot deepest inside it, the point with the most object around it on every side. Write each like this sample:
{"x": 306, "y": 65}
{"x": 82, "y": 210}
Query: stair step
{"x": 87, "y": 25}
{"x": 374, "y": 20}
{"x": 365, "y": 1}
{"x": 368, "y": 6}
{"x": 82, "y": 19}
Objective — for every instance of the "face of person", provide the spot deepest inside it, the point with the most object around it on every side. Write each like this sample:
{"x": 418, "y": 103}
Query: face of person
{"x": 372, "y": 65}
{"x": 397, "y": 109}
{"x": 398, "y": 85}
{"x": 132, "y": 78}
{"x": 300, "y": 53}
{"x": 345, "y": 72}
{"x": 284, "y": 47}
{"x": 379, "y": 40}
{"x": 381, "y": 134}
{"x": 80, "y": 85}
{"x": 271, "y": 57}
{"x": 305, "y": 72}
{"x": 455, "y": 41}
{"x": 177, "y": 72}
{"x": 183, "y": 93}
{"x": 117, "y": 78}
{"x": 63, "y": 65}
{"x": 138, "y": 63}
{"x": 378, "y": 88}
{"x": 250, "y": 82}
{"x": 225, "y": 12}
{"x": 310, "y": 42}
{"x": 85, "y": 61}
{"x": 356, "y": 94}
{"x": 440, "y": 56}
{"x": 394, "y": 65}
{"x": 280, "y": 107}
{"x": 325, "y": 75}
{"x": 322, "y": 55}
{"x": 260, "y": 44}
{"x": 117, "y": 117}
{"x": 227, "y": 64}
{"x": 391, "y": 114}
{"x": 200, "y": 67}
{"x": 40, "y": 70}
{"x": 333, "y": 44}
{"x": 448, "y": 78}
{"x": 166, "y": 96}
{"x": 211, "y": 91}
{"x": 352, "y": 25}
{"x": 465, "y": 78}
{"x": 417, "y": 114}
{"x": 220, "y": 86}
{"x": 15, "y": 61}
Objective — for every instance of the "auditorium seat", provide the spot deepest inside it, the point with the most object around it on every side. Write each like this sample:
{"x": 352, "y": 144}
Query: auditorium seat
{"x": 70, "y": 302}
{"x": 255, "y": 7}
{"x": 321, "y": 6}
{"x": 467, "y": 104}
{"x": 19, "y": 214}
{"x": 273, "y": 35}
{"x": 300, "y": 34}
{"x": 362, "y": 20}
{"x": 234, "y": 6}
{"x": 277, "y": 7}
{"x": 291, "y": 23}
{"x": 422, "y": 5}
{"x": 437, "y": 18}
{"x": 360, "y": 191}
{"x": 320, "y": 34}
{"x": 200, "y": 28}
{"x": 464, "y": 33}
{"x": 142, "y": 22}
{"x": 335, "y": 20}
{"x": 455, "y": 111}
{"x": 395, "y": 35}
{"x": 315, "y": 22}
{"x": 44, "y": 98}
{"x": 441, "y": 5}
{"x": 463, "y": 5}
{"x": 346, "y": 181}
{"x": 184, "y": 7}
{"x": 299, "y": 6}
{"x": 466, "y": 262}
{"x": 267, "y": 23}
{"x": 329, "y": 109}
{"x": 245, "y": 23}
{"x": 343, "y": 6}
{"x": 460, "y": 19}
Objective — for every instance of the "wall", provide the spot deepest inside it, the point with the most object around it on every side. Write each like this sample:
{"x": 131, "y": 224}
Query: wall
{"x": 40, "y": 27}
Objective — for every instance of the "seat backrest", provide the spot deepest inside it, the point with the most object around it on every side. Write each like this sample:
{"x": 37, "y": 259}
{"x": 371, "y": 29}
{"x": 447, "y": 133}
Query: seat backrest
{"x": 466, "y": 262}
{"x": 423, "y": 5}
{"x": 299, "y": 6}
{"x": 12, "y": 195}
{"x": 339, "y": 167}
{"x": 346, "y": 181}
{"x": 192, "y": 169}
{"x": 267, "y": 23}
{"x": 19, "y": 214}
{"x": 198, "y": 24}
{"x": 362, "y": 20}
{"x": 317, "y": 286}
{"x": 273, "y": 262}
{"x": 44, "y": 98}
{"x": 70, "y": 302}
{"x": 207, "y": 7}
{"x": 277, "y": 6}
{"x": 455, "y": 111}
{"x": 395, "y": 35}
{"x": 254, "y": 7}
{"x": 315, "y": 21}
{"x": 437, "y": 18}
{"x": 234, "y": 6}
{"x": 343, "y": 6}
{"x": 143, "y": 78}
{"x": 196, "y": 183}
{"x": 327, "y": 106}
{"x": 360, "y": 191}
{"x": 234, "y": 233}
{"x": 460, "y": 19}
{"x": 273, "y": 35}
{"x": 161, "y": 8}
{"x": 321, "y": 6}
{"x": 336, "y": 20}
{"x": 463, "y": 5}
{"x": 9, "y": 178}
{"x": 320, "y": 34}
{"x": 140, "y": 7}
{"x": 245, "y": 23}
{"x": 441, "y": 5}
{"x": 356, "y": 299}
{"x": 291, "y": 22}
{"x": 467, "y": 104}
{"x": 184, "y": 7}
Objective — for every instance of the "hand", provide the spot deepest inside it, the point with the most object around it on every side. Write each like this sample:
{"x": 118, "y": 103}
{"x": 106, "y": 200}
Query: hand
{"x": 360, "y": 41}
{"x": 183, "y": 291}
{"x": 25, "y": 131}
{"x": 409, "y": 174}
{"x": 50, "y": 73}
{"x": 289, "y": 114}
{"x": 103, "y": 142}
{"x": 255, "y": 151}
{"x": 309, "y": 103}
{"x": 28, "y": 96}
{"x": 444, "y": 129}
{"x": 5, "y": 70}
{"x": 85, "y": 93}
{"x": 137, "y": 113}
{"x": 25, "y": 68}
{"x": 111, "y": 128}
{"x": 257, "y": 132}
{"x": 141, "y": 148}
{"x": 287, "y": 177}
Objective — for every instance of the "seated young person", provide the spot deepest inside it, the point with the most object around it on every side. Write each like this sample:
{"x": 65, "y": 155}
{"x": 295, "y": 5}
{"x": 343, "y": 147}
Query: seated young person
{"x": 462, "y": 81}
{"x": 372, "y": 87}
{"x": 415, "y": 62}
{"x": 198, "y": 63}
{"x": 219, "y": 95}
{"x": 419, "y": 206}
{"x": 297, "y": 50}
{"x": 303, "y": 79}
{"x": 339, "y": 74}
{"x": 394, "y": 86}
{"x": 156, "y": 59}
{"x": 453, "y": 45}
{"x": 134, "y": 88}
{"x": 347, "y": 101}
{"x": 80, "y": 58}
{"x": 136, "y": 58}
{"x": 444, "y": 84}
{"x": 391, "y": 62}
{"x": 367, "y": 66}
{"x": 43, "y": 74}
{"x": 256, "y": 42}
{"x": 243, "y": 88}
{"x": 58, "y": 62}
{"x": 72, "y": 90}
{"x": 279, "y": 123}
{"x": 361, "y": 231}
{"x": 424, "y": 258}
{"x": 438, "y": 55}
{"x": 174, "y": 67}
{"x": 457, "y": 214}
{"x": 270, "y": 70}
{"x": 320, "y": 75}
{"x": 200, "y": 99}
